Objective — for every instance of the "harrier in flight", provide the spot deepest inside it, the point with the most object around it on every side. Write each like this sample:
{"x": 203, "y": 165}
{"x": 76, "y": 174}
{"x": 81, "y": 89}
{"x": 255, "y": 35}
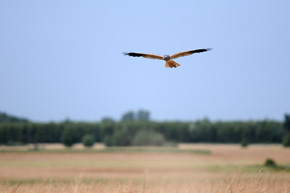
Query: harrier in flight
{"x": 169, "y": 59}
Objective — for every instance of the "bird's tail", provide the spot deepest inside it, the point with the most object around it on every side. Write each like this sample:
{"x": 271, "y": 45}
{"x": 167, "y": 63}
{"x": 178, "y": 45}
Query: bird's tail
{"x": 171, "y": 64}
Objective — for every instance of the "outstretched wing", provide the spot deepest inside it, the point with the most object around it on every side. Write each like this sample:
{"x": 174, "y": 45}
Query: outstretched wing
{"x": 186, "y": 53}
{"x": 151, "y": 56}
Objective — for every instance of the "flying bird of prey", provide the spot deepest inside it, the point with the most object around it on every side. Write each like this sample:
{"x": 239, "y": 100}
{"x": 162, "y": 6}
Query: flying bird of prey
{"x": 169, "y": 59}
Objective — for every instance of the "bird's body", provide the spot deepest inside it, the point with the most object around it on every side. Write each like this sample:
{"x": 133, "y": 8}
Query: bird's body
{"x": 170, "y": 63}
{"x": 166, "y": 57}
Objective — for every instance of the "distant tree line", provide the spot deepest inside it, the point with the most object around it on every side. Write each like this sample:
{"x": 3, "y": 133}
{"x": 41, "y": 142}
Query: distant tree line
{"x": 139, "y": 131}
{"x": 286, "y": 138}
{"x": 141, "y": 115}
{"x": 9, "y": 118}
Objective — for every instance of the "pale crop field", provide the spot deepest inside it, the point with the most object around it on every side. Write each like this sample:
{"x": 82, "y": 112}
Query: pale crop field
{"x": 228, "y": 168}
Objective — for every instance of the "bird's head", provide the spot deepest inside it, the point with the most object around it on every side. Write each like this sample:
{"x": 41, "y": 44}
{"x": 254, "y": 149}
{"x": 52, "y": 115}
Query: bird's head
{"x": 166, "y": 57}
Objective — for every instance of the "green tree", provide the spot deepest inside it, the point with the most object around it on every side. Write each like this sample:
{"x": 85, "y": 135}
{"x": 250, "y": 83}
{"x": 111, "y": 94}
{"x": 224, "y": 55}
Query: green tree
{"x": 107, "y": 119}
{"x": 148, "y": 138}
{"x": 69, "y": 136}
{"x": 270, "y": 163}
{"x": 286, "y": 137}
{"x": 143, "y": 115}
{"x": 88, "y": 140}
{"x": 121, "y": 137}
{"x": 108, "y": 141}
{"x": 287, "y": 122}
{"x": 244, "y": 142}
{"x": 129, "y": 116}
{"x": 286, "y": 140}
{"x": 10, "y": 118}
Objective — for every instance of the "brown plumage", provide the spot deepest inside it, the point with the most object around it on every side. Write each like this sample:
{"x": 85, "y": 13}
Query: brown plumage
{"x": 169, "y": 62}
{"x": 187, "y": 53}
{"x": 150, "y": 56}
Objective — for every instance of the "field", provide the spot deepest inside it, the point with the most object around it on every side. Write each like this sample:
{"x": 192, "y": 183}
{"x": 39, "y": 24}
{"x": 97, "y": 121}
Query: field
{"x": 188, "y": 168}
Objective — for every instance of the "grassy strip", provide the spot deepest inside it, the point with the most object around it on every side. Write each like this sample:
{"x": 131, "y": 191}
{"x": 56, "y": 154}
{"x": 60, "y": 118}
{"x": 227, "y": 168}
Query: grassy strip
{"x": 249, "y": 168}
{"x": 117, "y": 150}
{"x": 32, "y": 181}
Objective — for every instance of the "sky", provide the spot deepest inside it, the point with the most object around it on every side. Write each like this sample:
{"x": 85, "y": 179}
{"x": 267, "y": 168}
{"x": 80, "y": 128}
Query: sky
{"x": 63, "y": 59}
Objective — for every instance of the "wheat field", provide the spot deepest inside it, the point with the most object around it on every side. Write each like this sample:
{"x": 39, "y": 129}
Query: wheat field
{"x": 228, "y": 168}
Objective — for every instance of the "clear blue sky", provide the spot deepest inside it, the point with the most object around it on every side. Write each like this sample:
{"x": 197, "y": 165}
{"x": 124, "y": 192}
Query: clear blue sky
{"x": 63, "y": 59}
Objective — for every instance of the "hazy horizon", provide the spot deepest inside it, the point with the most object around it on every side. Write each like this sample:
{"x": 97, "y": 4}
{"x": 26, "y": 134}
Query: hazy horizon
{"x": 151, "y": 119}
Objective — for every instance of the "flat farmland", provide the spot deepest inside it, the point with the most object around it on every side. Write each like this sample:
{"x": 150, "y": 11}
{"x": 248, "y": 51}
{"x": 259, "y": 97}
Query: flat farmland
{"x": 227, "y": 168}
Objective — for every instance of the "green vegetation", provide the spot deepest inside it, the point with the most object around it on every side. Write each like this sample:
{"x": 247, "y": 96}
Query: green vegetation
{"x": 32, "y": 181}
{"x": 127, "y": 132}
{"x": 286, "y": 137}
{"x": 153, "y": 150}
{"x": 270, "y": 163}
{"x": 244, "y": 142}
{"x": 141, "y": 115}
{"x": 148, "y": 138}
{"x": 286, "y": 140}
{"x": 69, "y": 136}
{"x": 11, "y": 119}
{"x": 115, "y": 150}
{"x": 88, "y": 140}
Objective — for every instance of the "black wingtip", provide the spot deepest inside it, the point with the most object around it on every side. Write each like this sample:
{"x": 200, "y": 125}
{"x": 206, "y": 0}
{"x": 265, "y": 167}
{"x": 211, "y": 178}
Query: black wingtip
{"x": 133, "y": 54}
{"x": 200, "y": 50}
{"x": 205, "y": 50}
